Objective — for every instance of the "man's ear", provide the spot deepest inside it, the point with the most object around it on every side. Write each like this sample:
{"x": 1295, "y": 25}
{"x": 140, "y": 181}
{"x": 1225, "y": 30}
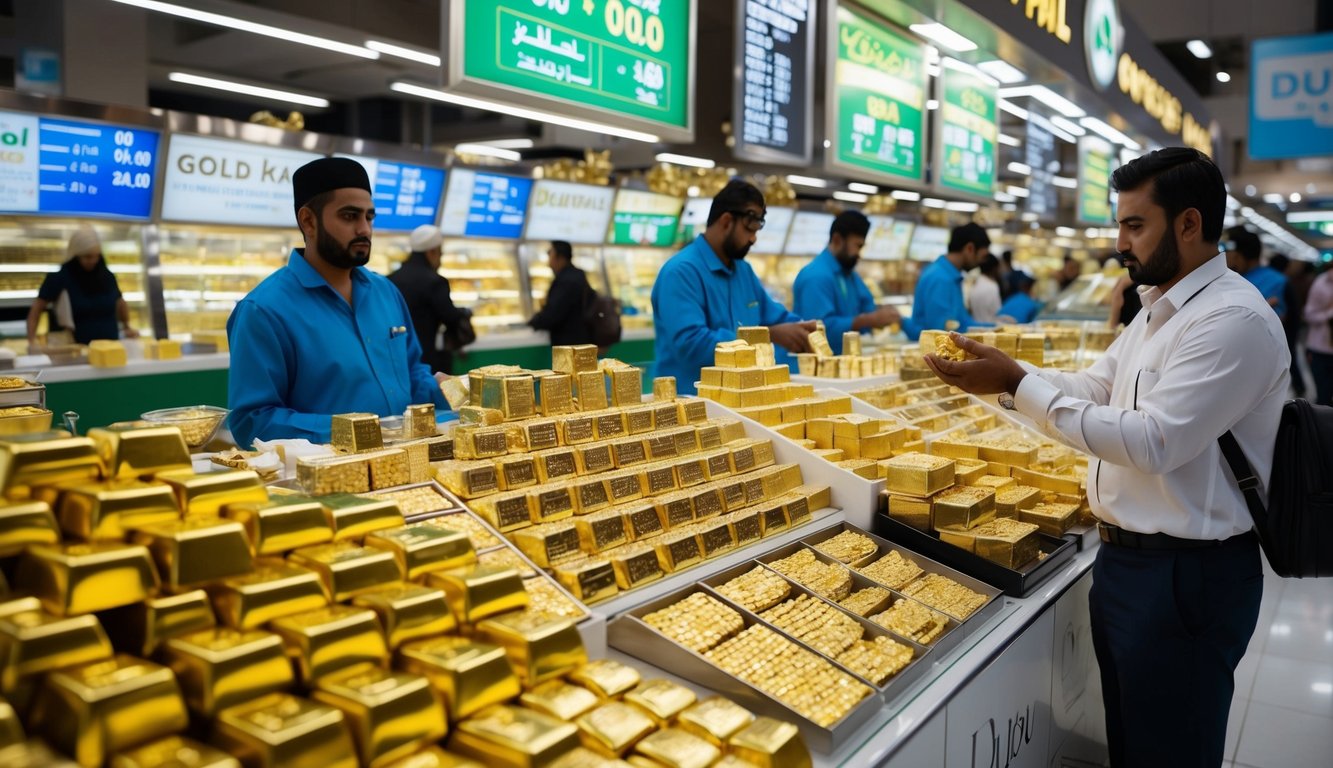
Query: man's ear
{"x": 1189, "y": 225}
{"x": 305, "y": 221}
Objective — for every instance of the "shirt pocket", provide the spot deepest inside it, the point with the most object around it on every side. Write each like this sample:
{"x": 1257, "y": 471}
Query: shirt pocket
{"x": 1144, "y": 383}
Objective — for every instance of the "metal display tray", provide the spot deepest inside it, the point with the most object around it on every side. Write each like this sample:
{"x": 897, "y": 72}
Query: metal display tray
{"x": 1014, "y": 582}
{"x": 1083, "y": 536}
{"x": 32, "y": 394}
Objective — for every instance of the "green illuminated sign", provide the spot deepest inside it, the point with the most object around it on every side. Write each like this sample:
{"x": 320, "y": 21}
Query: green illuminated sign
{"x": 644, "y": 218}
{"x": 966, "y": 150}
{"x": 879, "y": 99}
{"x": 624, "y": 57}
{"x": 1094, "y": 182}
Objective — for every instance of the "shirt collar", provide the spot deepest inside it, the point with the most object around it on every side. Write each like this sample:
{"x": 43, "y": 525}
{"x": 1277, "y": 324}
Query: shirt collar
{"x": 831, "y": 262}
{"x": 954, "y": 272}
{"x": 309, "y": 278}
{"x": 1189, "y": 285}
{"x": 710, "y": 258}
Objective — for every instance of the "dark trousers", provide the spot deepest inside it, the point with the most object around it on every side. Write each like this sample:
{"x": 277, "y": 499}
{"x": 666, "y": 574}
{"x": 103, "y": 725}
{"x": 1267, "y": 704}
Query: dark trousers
{"x": 1169, "y": 628}
{"x": 1297, "y": 373}
{"x": 1321, "y": 369}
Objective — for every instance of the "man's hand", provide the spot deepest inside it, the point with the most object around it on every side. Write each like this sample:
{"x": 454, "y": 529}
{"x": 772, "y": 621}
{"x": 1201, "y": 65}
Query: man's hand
{"x": 129, "y": 333}
{"x": 793, "y": 337}
{"x": 881, "y": 317}
{"x": 990, "y": 373}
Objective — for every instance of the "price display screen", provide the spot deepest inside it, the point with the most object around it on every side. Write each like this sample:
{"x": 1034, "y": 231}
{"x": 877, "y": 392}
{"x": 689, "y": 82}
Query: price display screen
{"x": 888, "y": 240}
{"x": 489, "y": 205}
{"x": 929, "y": 243}
{"x": 809, "y": 233}
{"x": 406, "y": 196}
{"x": 59, "y": 166}
{"x": 774, "y": 56}
{"x": 562, "y": 210}
{"x": 645, "y": 218}
{"x": 1094, "y": 181}
{"x": 968, "y": 130}
{"x": 773, "y": 237}
{"x": 1040, "y": 154}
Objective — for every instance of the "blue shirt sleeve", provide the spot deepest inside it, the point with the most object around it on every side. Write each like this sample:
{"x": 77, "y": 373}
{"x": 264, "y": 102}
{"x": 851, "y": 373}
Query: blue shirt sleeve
{"x": 681, "y": 318}
{"x": 815, "y": 298}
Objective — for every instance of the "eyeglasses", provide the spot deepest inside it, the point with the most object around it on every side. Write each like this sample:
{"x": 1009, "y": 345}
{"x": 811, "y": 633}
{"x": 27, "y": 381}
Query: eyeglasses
{"x": 752, "y": 221}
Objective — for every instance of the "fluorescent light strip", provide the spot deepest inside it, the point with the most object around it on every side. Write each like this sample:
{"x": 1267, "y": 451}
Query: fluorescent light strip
{"x": 962, "y": 207}
{"x": 1061, "y": 135}
{"x": 389, "y": 49}
{"x": 1065, "y": 231}
{"x": 1017, "y": 191}
{"x": 869, "y": 189}
{"x": 932, "y": 202}
{"x": 693, "y": 162}
{"x": 1068, "y": 126}
{"x": 1004, "y": 197}
{"x": 1064, "y": 181}
{"x": 1109, "y": 132}
{"x": 266, "y": 30}
{"x": 932, "y": 104}
{"x": 522, "y": 113}
{"x": 232, "y": 86}
{"x": 509, "y": 143}
{"x": 1010, "y": 141}
{"x": 487, "y": 150}
{"x": 938, "y": 33}
{"x": 1302, "y": 216}
{"x": 1046, "y": 96}
{"x": 1273, "y": 198}
{"x": 806, "y": 181}
{"x": 1002, "y": 71}
{"x": 1022, "y": 169}
{"x": 851, "y": 197}
{"x": 905, "y": 194}
{"x": 962, "y": 66}
{"x": 1013, "y": 109}
{"x": 1200, "y": 49}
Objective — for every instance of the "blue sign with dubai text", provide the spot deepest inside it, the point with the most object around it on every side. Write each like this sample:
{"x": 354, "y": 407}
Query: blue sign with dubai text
{"x": 1291, "y": 97}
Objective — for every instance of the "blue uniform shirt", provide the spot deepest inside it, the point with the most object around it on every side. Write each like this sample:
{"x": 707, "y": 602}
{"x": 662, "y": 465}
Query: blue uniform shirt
{"x": 698, "y": 302}
{"x": 300, "y": 353}
{"x": 1272, "y": 284}
{"x": 825, "y": 291}
{"x": 939, "y": 299}
{"x": 1021, "y": 307}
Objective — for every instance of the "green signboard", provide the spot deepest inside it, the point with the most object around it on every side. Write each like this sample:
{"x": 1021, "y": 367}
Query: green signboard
{"x": 627, "y": 59}
{"x": 966, "y": 144}
{"x": 644, "y": 218}
{"x": 1094, "y": 181}
{"x": 878, "y": 122}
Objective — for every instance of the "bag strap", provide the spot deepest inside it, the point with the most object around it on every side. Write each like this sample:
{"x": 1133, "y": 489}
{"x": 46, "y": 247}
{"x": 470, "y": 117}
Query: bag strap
{"x": 1245, "y": 478}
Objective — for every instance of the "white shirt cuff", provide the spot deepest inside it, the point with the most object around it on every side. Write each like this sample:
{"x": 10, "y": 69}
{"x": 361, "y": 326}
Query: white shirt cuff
{"x": 1034, "y": 398}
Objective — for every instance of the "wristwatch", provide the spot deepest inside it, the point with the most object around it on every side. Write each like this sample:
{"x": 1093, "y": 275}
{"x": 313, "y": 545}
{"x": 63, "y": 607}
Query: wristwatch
{"x": 1006, "y": 401}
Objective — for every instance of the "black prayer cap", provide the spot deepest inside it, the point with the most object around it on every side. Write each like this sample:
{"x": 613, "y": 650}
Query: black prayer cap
{"x": 325, "y": 175}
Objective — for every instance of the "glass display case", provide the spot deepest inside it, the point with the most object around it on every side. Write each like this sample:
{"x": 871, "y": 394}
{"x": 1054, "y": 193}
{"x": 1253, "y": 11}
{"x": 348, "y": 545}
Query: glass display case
{"x": 532, "y": 255}
{"x": 484, "y": 276}
{"x": 1087, "y": 298}
{"x": 630, "y": 273}
{"x": 778, "y": 273}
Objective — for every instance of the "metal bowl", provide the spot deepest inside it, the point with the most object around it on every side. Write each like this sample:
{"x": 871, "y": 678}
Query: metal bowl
{"x": 32, "y": 419}
{"x": 197, "y": 423}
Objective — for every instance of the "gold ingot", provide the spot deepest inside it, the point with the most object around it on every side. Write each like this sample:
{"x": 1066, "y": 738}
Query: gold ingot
{"x": 33, "y": 642}
{"x": 468, "y": 675}
{"x": 272, "y": 590}
{"x": 547, "y": 543}
{"x": 613, "y": 729}
{"x": 678, "y": 550}
{"x": 476, "y": 442}
{"x": 420, "y": 549}
{"x": 513, "y": 737}
{"x": 662, "y": 700}
{"x": 560, "y": 700}
{"x": 352, "y": 517}
{"x": 390, "y": 714}
{"x": 506, "y": 511}
{"x": 467, "y": 479}
{"x": 515, "y": 472}
{"x": 689, "y": 472}
{"x": 554, "y": 393}
{"x": 208, "y": 493}
{"x": 590, "y": 391}
{"x": 607, "y": 678}
{"x": 733, "y": 494}
{"x": 657, "y": 478}
{"x": 642, "y": 521}
{"x": 588, "y": 580}
{"x": 574, "y": 358}
{"x": 624, "y": 487}
{"x": 388, "y": 468}
{"x": 419, "y": 421}
{"x": 769, "y": 743}
{"x": 44, "y": 459}
{"x": 716, "y": 537}
{"x": 409, "y": 612}
{"x": 773, "y": 518}
{"x": 717, "y": 464}
{"x": 539, "y": 649}
{"x": 108, "y": 510}
{"x": 348, "y": 570}
{"x": 635, "y": 564}
{"x": 551, "y": 502}
{"x": 1066, "y": 484}
{"x": 196, "y": 551}
{"x": 745, "y": 526}
{"x": 911, "y": 510}
{"x": 963, "y": 538}
{"x": 512, "y": 395}
{"x": 138, "y": 629}
{"x": 322, "y": 475}
{"x": 174, "y": 752}
{"x": 479, "y": 592}
{"x": 675, "y": 509}
{"x": 918, "y": 474}
{"x": 434, "y": 757}
{"x": 661, "y": 445}
{"x": 94, "y": 710}
{"x": 1010, "y": 501}
{"x": 555, "y": 463}
{"x": 594, "y": 458}
{"x": 284, "y": 731}
{"x": 439, "y": 448}
{"x": 283, "y": 524}
{"x": 26, "y": 523}
{"x": 639, "y": 419}
{"x": 626, "y": 386}
{"x": 326, "y": 640}
{"x": 1010, "y": 543}
{"x": 664, "y": 388}
{"x": 601, "y": 531}
{"x": 575, "y": 429}
{"x": 356, "y": 432}
{"x": 220, "y": 668}
{"x": 963, "y": 507}
{"x": 1053, "y": 519}
{"x": 85, "y": 578}
{"x": 675, "y": 748}
{"x": 33, "y": 754}
{"x": 715, "y": 719}
{"x": 139, "y": 451}
{"x": 968, "y": 471}
{"x": 609, "y": 424}
{"x": 591, "y": 495}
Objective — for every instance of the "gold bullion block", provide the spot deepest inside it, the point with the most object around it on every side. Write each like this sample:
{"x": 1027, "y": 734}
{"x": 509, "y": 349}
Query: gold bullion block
{"x": 551, "y": 502}
{"x": 754, "y": 335}
{"x": 601, "y": 531}
{"x": 642, "y": 520}
{"x": 676, "y": 748}
{"x": 43, "y": 459}
{"x": 678, "y": 550}
{"x": 796, "y": 506}
{"x": 547, "y": 543}
{"x": 33, "y": 642}
{"x": 715, "y": 537}
{"x": 352, "y": 517}
{"x": 607, "y": 678}
{"x": 625, "y": 486}
{"x": 665, "y": 415}
{"x": 469, "y": 675}
{"x": 1053, "y": 519}
{"x": 420, "y": 549}
{"x": 560, "y": 700}
{"x": 513, "y": 395}
{"x": 480, "y": 592}
{"x": 610, "y": 424}
{"x": 467, "y": 479}
{"x": 745, "y": 526}
{"x": 419, "y": 421}
{"x": 963, "y": 506}
{"x": 388, "y": 468}
{"x": 963, "y": 538}
{"x": 539, "y": 649}
{"x": 272, "y": 590}
{"x": 589, "y": 580}
{"x": 707, "y": 502}
{"x": 590, "y": 391}
{"x": 513, "y": 737}
{"x": 675, "y": 509}
{"x": 284, "y": 731}
{"x": 208, "y": 493}
{"x": 593, "y": 458}
{"x": 733, "y": 493}
{"x": 691, "y": 410}
{"x": 635, "y": 564}
{"x": 96, "y": 709}
{"x": 356, "y": 432}
{"x": 337, "y": 474}
{"x": 408, "y": 612}
{"x": 27, "y": 523}
{"x": 390, "y": 714}
{"x": 1011, "y": 500}
{"x": 1066, "y": 484}
{"x": 817, "y": 496}
{"x": 440, "y": 448}
{"x": 1010, "y": 543}
{"x": 626, "y": 386}
{"x": 918, "y": 474}
{"x": 541, "y": 434}
{"x": 135, "y": 451}
{"x": 347, "y": 569}
{"x": 434, "y": 757}
{"x": 664, "y": 388}
{"x": 477, "y": 442}
{"x": 769, "y": 743}
{"x": 328, "y": 639}
{"x": 912, "y": 510}
{"x": 954, "y": 449}
{"x": 591, "y": 494}
{"x": 555, "y": 463}
{"x": 639, "y": 419}
{"x": 773, "y": 518}
{"x": 196, "y": 551}
{"x": 85, "y": 578}
{"x": 139, "y": 628}
{"x": 174, "y": 752}
{"x": 661, "y": 699}
{"x": 717, "y": 464}
{"x": 715, "y": 719}
{"x": 505, "y": 511}
{"x": 576, "y": 429}
{"x": 554, "y": 393}
{"x": 613, "y": 729}
{"x": 221, "y": 667}
{"x": 574, "y": 358}
{"x": 968, "y": 471}
{"x": 282, "y": 524}
{"x": 628, "y": 451}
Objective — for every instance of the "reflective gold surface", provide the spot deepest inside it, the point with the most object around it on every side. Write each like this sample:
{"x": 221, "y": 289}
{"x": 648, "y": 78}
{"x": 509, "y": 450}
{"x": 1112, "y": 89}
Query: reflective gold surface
{"x": 109, "y": 510}
{"x": 196, "y": 551}
{"x": 130, "y": 452}
{"x": 715, "y": 719}
{"x": 662, "y": 700}
{"x": 613, "y": 728}
{"x": 607, "y": 678}
{"x": 44, "y": 459}
{"x": 333, "y": 638}
{"x": 219, "y": 668}
{"x": 34, "y": 642}
{"x": 512, "y": 737}
{"x": 420, "y": 549}
{"x": 271, "y": 590}
{"x": 282, "y": 524}
{"x": 635, "y": 564}
{"x": 675, "y": 748}
{"x": 547, "y": 543}
{"x": 390, "y": 714}
{"x": 26, "y": 523}
{"x": 352, "y": 517}
{"x": 478, "y": 592}
{"x": 588, "y": 580}
{"x": 356, "y": 432}
{"x": 560, "y": 700}
{"x": 84, "y": 578}
{"x": 174, "y": 752}
{"x": 409, "y": 612}
{"x": 434, "y": 757}
{"x": 539, "y": 649}
{"x": 468, "y": 675}
{"x": 505, "y": 511}
{"x": 206, "y": 494}
{"x": 284, "y": 731}
{"x": 554, "y": 393}
{"x": 771, "y": 743}
{"x": 138, "y": 629}
{"x": 348, "y": 570}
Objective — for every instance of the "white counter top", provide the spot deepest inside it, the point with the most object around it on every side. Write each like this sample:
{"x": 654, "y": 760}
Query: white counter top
{"x": 208, "y": 362}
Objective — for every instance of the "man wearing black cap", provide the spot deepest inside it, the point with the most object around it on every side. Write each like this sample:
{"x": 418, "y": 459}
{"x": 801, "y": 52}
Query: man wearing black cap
{"x": 324, "y": 335}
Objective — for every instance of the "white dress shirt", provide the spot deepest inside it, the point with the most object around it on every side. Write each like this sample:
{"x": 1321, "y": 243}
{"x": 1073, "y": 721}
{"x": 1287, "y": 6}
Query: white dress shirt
{"x": 1207, "y": 356}
{"x": 985, "y": 299}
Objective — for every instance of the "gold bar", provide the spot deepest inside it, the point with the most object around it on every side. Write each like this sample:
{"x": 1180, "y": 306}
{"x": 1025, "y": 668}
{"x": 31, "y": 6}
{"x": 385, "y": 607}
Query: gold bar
{"x": 347, "y": 569}
{"x": 613, "y": 729}
{"x": 514, "y": 395}
{"x": 541, "y": 434}
{"x": 733, "y": 493}
{"x": 665, "y": 415}
{"x": 469, "y": 675}
{"x": 689, "y": 472}
{"x": 85, "y": 578}
{"x": 139, "y": 628}
{"x": 661, "y": 445}
{"x": 554, "y": 393}
{"x": 707, "y": 502}
{"x": 219, "y": 668}
{"x": 419, "y": 421}
{"x": 539, "y": 649}
{"x": 390, "y": 714}
{"x": 591, "y": 495}
{"x": 28, "y": 523}
{"x": 555, "y": 463}
{"x": 576, "y": 429}
{"x": 408, "y": 612}
{"x": 283, "y": 524}
{"x": 33, "y": 754}
{"x": 628, "y": 452}
{"x": 460, "y": 520}
{"x": 635, "y": 564}
{"x": 513, "y": 737}
{"x": 136, "y": 451}
{"x": 505, "y": 511}
{"x": 745, "y": 526}
{"x": 99, "y": 708}
{"x": 675, "y": 748}
{"x": 352, "y": 517}
{"x": 476, "y": 442}
{"x": 643, "y": 521}
{"x": 1053, "y": 519}
{"x": 675, "y": 509}
{"x": 963, "y": 538}
{"x": 625, "y": 486}
{"x": 607, "y": 678}
{"x": 328, "y": 639}
{"x": 560, "y": 700}
{"x": 609, "y": 424}
{"x": 664, "y": 388}
{"x": 272, "y": 590}
{"x": 467, "y": 479}
{"x": 208, "y": 493}
{"x": 678, "y": 550}
{"x": 284, "y": 731}
{"x": 434, "y": 757}
{"x": 420, "y": 549}
{"x": 594, "y": 458}
{"x": 588, "y": 580}
{"x": 715, "y": 719}
{"x": 661, "y": 699}
{"x": 912, "y": 510}
{"x": 549, "y": 503}
{"x": 574, "y": 358}
{"x": 1066, "y": 484}
{"x": 769, "y": 743}
{"x": 479, "y": 592}
{"x": 1012, "y": 500}
{"x": 773, "y": 518}
{"x": 963, "y": 507}
{"x": 196, "y": 551}
{"x": 33, "y": 642}
{"x": 709, "y": 437}
{"x": 174, "y": 752}
{"x": 1010, "y": 543}
{"x": 601, "y": 531}
{"x": 548, "y": 542}
{"x": 504, "y": 557}
{"x": 626, "y": 386}
{"x": 44, "y": 459}
{"x": 639, "y": 419}
{"x": 440, "y": 448}
{"x": 968, "y": 471}
{"x": 356, "y": 432}
{"x": 918, "y": 474}
{"x": 754, "y": 489}
{"x": 388, "y": 468}
{"x": 590, "y": 391}
{"x": 717, "y": 465}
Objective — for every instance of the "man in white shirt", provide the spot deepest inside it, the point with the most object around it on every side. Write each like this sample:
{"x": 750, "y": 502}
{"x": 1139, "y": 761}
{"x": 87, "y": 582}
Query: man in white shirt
{"x": 985, "y": 299}
{"x": 1178, "y": 580}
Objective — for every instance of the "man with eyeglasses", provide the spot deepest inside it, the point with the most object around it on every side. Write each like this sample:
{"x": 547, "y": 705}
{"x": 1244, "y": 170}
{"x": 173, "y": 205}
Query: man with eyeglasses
{"x": 707, "y": 291}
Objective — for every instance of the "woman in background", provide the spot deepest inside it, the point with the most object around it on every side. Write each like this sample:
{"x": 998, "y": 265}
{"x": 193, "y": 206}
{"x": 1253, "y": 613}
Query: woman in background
{"x": 95, "y": 302}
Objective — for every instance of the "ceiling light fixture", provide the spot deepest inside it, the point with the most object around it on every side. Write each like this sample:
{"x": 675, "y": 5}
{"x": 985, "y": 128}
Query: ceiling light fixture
{"x": 1046, "y": 96}
{"x": 868, "y": 189}
{"x": 1109, "y": 132}
{"x": 1017, "y": 191}
{"x": 1295, "y": 197}
{"x": 1068, "y": 126}
{"x": 487, "y": 150}
{"x": 1199, "y": 48}
{"x": 932, "y": 104}
{"x": 691, "y": 161}
{"x": 905, "y": 195}
{"x": 1273, "y": 198}
{"x": 411, "y": 54}
{"x": 932, "y": 202}
{"x": 231, "y": 22}
{"x": 942, "y": 35}
{"x": 509, "y": 143}
{"x": 806, "y": 181}
{"x": 1223, "y": 77}
{"x": 1002, "y": 71}
{"x": 962, "y": 207}
{"x": 1065, "y": 182}
{"x": 231, "y": 86}
{"x": 851, "y": 197}
{"x": 1010, "y": 141}
{"x": 1012, "y": 108}
{"x": 1022, "y": 169}
{"x": 1065, "y": 231}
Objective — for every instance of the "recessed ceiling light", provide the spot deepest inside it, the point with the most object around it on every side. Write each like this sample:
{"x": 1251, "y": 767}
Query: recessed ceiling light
{"x": 850, "y": 197}
{"x": 1223, "y": 77}
{"x": 1003, "y": 71}
{"x": 938, "y": 33}
{"x": 868, "y": 189}
{"x": 231, "y": 86}
{"x": 1199, "y": 48}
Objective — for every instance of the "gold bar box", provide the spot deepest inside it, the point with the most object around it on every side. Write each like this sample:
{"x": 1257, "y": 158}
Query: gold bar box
{"x": 624, "y": 487}
{"x": 588, "y": 580}
{"x": 548, "y": 542}
{"x": 284, "y": 731}
{"x": 220, "y": 668}
{"x": 539, "y": 649}
{"x": 328, "y": 639}
{"x": 283, "y": 524}
{"x": 555, "y": 463}
{"x": 207, "y": 494}
{"x": 196, "y": 551}
{"x": 174, "y": 752}
{"x": 613, "y": 729}
{"x": 1054, "y": 519}
{"x": 912, "y": 510}
{"x": 352, "y": 517}
{"x": 635, "y": 564}
{"x": 918, "y": 474}
{"x": 592, "y": 459}
{"x": 576, "y": 429}
{"x": 629, "y": 451}
{"x": 676, "y": 748}
{"x": 94, "y": 710}
{"x": 390, "y": 714}
{"x": 541, "y": 434}
{"x": 639, "y": 419}
{"x": 272, "y": 590}
{"x": 28, "y": 523}
{"x": 480, "y": 592}
{"x": 963, "y": 506}
{"x": 420, "y": 549}
{"x": 574, "y": 358}
{"x": 513, "y": 737}
{"x": 642, "y": 521}
{"x": 1012, "y": 500}
{"x": 513, "y": 395}
{"x": 408, "y": 612}
{"x": 467, "y": 479}
{"x": 678, "y": 550}
{"x": 33, "y": 642}
{"x": 85, "y": 578}
{"x": 609, "y": 424}
{"x": 138, "y": 629}
{"x": 1010, "y": 543}
{"x": 590, "y": 391}
{"x": 549, "y": 503}
{"x": 560, "y": 700}
{"x": 136, "y": 451}
{"x": 664, "y": 388}
{"x": 607, "y": 678}
{"x": 468, "y": 675}
{"x": 43, "y": 459}
{"x": 769, "y": 743}
{"x": 554, "y": 393}
{"x": 356, "y": 432}
{"x": 715, "y": 719}
{"x": 661, "y": 699}
{"x": 601, "y": 531}
{"x": 505, "y": 511}
{"x": 347, "y": 569}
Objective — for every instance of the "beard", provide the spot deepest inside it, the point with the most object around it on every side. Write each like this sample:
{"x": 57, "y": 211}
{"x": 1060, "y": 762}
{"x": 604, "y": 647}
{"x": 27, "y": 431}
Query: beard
{"x": 1162, "y": 266}
{"x": 846, "y": 260}
{"x": 733, "y": 251}
{"x": 338, "y": 254}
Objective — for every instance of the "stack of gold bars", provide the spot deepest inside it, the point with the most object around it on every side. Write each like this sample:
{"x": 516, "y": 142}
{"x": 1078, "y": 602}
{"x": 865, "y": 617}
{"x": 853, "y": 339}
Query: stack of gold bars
{"x": 851, "y": 364}
{"x": 154, "y": 616}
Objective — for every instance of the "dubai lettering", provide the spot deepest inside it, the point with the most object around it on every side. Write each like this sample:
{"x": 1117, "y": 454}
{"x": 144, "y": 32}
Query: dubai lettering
{"x": 996, "y": 746}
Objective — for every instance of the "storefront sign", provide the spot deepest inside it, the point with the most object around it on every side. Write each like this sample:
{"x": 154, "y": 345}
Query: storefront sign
{"x": 406, "y": 196}
{"x": 644, "y": 218}
{"x": 1094, "y": 181}
{"x": 577, "y": 213}
{"x": 1291, "y": 97}
{"x": 775, "y": 51}
{"x": 219, "y": 181}
{"x": 878, "y": 99}
{"x": 629, "y": 60}
{"x": 486, "y": 205}
{"x": 809, "y": 233}
{"x": 888, "y": 240}
{"x": 965, "y": 148}
{"x": 1042, "y": 156}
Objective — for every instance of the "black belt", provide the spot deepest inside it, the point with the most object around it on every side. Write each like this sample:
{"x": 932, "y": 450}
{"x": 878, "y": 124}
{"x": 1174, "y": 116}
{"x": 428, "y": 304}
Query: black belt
{"x": 1122, "y": 538}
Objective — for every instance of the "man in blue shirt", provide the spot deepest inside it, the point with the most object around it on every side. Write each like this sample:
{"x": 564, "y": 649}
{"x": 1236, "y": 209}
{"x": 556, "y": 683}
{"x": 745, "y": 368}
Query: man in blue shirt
{"x": 1243, "y": 257}
{"x": 1020, "y": 306}
{"x": 829, "y": 289}
{"x": 324, "y": 335}
{"x": 939, "y": 290}
{"x": 706, "y": 291}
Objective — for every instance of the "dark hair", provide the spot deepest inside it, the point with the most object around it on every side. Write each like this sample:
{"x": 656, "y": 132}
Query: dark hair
{"x": 1020, "y": 280}
{"x": 990, "y": 266}
{"x": 563, "y": 249}
{"x": 1182, "y": 178}
{"x": 850, "y": 223}
{"x": 734, "y": 197}
{"x": 316, "y": 205}
{"x": 968, "y": 234}
{"x": 1246, "y": 242}
{"x": 1279, "y": 261}
{"x": 1008, "y": 257}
